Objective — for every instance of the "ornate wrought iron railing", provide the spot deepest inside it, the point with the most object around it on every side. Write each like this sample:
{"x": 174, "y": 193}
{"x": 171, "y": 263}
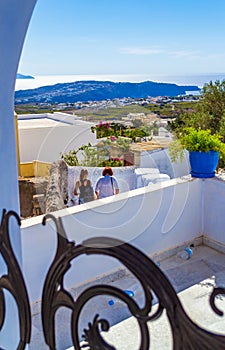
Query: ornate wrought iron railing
{"x": 186, "y": 334}
{"x": 13, "y": 282}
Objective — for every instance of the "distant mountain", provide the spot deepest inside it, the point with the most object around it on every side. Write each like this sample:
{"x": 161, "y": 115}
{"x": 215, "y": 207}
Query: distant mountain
{"x": 98, "y": 90}
{"x": 22, "y": 76}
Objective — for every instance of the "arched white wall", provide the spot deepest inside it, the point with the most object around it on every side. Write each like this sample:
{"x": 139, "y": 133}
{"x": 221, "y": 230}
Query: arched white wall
{"x": 14, "y": 19}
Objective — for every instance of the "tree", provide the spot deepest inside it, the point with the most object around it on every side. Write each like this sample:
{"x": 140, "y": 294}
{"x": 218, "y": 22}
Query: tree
{"x": 210, "y": 113}
{"x": 213, "y": 102}
{"x": 198, "y": 120}
{"x": 137, "y": 123}
{"x": 209, "y": 116}
{"x": 134, "y": 133}
{"x": 118, "y": 129}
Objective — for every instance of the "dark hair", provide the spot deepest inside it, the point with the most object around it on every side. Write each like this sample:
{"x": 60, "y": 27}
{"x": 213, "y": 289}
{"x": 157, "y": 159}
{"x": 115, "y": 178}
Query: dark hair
{"x": 83, "y": 172}
{"x": 107, "y": 171}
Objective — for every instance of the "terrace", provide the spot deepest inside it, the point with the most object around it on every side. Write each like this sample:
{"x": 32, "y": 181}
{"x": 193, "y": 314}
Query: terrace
{"x": 159, "y": 220}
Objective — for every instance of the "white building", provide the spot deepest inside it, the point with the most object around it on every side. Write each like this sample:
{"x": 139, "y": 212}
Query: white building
{"x": 44, "y": 137}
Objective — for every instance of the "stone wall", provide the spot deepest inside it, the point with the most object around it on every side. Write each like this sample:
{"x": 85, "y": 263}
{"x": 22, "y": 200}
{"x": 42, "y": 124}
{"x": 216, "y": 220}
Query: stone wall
{"x": 57, "y": 189}
{"x": 28, "y": 188}
{"x": 40, "y": 195}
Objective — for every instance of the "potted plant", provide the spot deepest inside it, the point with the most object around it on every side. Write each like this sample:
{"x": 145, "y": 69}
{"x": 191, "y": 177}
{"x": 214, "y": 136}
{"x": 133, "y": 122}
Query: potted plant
{"x": 204, "y": 148}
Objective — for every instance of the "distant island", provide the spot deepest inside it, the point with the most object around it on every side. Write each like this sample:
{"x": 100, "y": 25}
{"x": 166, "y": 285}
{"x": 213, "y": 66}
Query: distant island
{"x": 92, "y": 90}
{"x": 22, "y": 76}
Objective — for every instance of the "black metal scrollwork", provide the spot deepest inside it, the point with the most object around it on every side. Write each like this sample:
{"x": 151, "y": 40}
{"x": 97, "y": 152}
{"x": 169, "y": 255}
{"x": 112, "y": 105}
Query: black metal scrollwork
{"x": 13, "y": 282}
{"x": 216, "y": 291}
{"x": 93, "y": 337}
{"x": 186, "y": 334}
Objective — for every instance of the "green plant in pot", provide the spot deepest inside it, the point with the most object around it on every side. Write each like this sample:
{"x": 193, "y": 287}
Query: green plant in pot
{"x": 204, "y": 148}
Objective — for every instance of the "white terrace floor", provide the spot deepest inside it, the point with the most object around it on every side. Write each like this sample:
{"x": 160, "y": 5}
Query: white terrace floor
{"x": 193, "y": 280}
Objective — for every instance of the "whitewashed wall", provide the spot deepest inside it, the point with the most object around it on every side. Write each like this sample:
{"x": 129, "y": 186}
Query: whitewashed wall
{"x": 154, "y": 218}
{"x": 46, "y": 143}
{"x": 14, "y": 19}
{"x": 160, "y": 159}
{"x": 214, "y": 209}
{"x": 125, "y": 176}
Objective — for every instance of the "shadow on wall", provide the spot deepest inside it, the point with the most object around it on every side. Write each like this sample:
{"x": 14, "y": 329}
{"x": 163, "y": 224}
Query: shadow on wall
{"x": 160, "y": 159}
{"x": 125, "y": 176}
{"x": 63, "y": 179}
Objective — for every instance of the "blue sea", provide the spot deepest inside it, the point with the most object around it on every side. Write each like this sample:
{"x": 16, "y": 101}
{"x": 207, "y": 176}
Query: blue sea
{"x": 43, "y": 80}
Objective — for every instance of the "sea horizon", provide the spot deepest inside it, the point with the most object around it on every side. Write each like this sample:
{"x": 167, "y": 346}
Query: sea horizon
{"x": 45, "y": 80}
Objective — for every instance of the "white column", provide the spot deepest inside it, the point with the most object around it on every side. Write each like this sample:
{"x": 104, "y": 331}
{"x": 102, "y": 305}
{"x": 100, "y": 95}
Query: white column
{"x": 14, "y": 19}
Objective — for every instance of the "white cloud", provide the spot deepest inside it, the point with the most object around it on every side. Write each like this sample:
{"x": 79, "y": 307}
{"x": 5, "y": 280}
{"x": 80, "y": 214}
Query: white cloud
{"x": 216, "y": 56}
{"x": 178, "y": 55}
{"x": 140, "y": 51}
{"x": 190, "y": 54}
{"x": 185, "y": 54}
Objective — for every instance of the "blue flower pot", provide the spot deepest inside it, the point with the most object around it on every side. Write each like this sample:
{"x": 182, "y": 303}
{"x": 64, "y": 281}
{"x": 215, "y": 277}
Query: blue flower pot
{"x": 203, "y": 164}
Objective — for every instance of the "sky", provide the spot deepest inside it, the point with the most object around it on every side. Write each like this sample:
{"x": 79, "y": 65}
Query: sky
{"x": 155, "y": 37}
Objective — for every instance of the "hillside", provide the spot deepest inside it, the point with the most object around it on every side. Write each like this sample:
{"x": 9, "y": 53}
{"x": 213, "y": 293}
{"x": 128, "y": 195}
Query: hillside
{"x": 22, "y": 76}
{"x": 97, "y": 91}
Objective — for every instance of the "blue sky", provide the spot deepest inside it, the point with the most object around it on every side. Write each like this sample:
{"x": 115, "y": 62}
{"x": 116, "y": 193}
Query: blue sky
{"x": 125, "y": 37}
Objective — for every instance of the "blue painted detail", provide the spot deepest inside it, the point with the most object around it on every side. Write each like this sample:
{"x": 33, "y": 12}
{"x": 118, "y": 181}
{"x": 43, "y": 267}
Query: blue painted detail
{"x": 203, "y": 164}
{"x": 111, "y": 302}
{"x": 189, "y": 251}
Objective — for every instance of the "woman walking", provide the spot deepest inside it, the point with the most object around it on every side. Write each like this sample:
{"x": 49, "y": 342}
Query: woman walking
{"x": 84, "y": 188}
{"x": 107, "y": 184}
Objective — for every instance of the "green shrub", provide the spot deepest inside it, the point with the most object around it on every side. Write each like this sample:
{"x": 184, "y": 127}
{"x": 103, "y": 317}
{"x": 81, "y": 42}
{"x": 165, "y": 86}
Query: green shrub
{"x": 109, "y": 152}
{"x": 70, "y": 158}
{"x": 196, "y": 140}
